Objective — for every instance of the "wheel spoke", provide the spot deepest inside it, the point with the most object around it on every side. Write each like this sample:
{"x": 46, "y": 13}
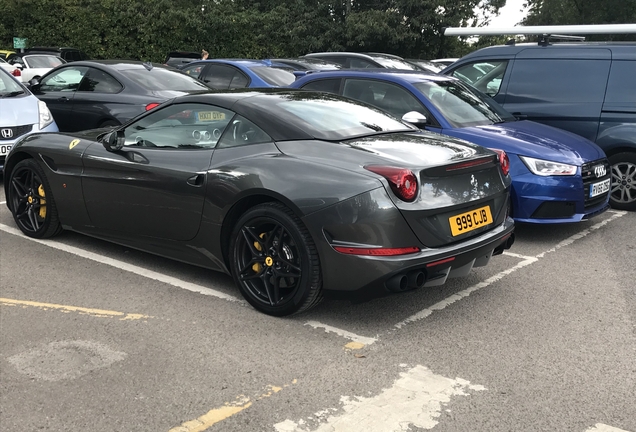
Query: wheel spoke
{"x": 288, "y": 264}
{"x": 250, "y": 264}
{"x": 19, "y": 187}
{"x": 629, "y": 195}
{"x": 250, "y": 238}
{"x": 33, "y": 219}
{"x": 287, "y": 273}
{"x": 280, "y": 238}
{"x": 271, "y": 290}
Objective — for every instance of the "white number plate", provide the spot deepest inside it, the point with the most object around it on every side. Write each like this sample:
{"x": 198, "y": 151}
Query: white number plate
{"x": 599, "y": 188}
{"x": 5, "y": 149}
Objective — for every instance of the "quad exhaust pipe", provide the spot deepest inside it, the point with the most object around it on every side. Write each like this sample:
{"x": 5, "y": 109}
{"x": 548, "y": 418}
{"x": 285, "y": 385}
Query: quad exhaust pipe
{"x": 406, "y": 281}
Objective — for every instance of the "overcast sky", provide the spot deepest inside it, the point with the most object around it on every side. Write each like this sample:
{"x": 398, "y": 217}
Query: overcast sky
{"x": 509, "y": 15}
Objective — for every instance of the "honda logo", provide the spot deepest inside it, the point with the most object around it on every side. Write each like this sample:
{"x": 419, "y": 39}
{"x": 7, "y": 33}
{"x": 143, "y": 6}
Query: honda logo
{"x": 7, "y": 133}
{"x": 600, "y": 171}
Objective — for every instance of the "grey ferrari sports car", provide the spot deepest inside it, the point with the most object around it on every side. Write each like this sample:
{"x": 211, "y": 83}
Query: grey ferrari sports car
{"x": 291, "y": 192}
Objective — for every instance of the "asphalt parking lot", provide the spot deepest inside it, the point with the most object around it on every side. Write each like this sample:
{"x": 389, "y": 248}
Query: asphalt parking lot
{"x": 99, "y": 337}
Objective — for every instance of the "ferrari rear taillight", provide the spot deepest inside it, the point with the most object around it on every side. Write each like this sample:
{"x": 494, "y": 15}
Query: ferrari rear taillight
{"x": 152, "y": 105}
{"x": 503, "y": 160}
{"x": 16, "y": 72}
{"x": 402, "y": 181}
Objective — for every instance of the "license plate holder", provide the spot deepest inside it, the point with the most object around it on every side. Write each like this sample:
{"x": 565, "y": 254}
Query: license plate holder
{"x": 470, "y": 220}
{"x": 600, "y": 188}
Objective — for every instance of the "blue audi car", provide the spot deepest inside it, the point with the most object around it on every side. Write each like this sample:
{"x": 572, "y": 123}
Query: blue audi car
{"x": 557, "y": 176}
{"x": 224, "y": 74}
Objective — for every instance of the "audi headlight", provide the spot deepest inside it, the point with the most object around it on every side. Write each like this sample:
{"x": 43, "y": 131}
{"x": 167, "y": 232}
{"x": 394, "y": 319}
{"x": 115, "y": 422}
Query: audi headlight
{"x": 45, "y": 115}
{"x": 548, "y": 168}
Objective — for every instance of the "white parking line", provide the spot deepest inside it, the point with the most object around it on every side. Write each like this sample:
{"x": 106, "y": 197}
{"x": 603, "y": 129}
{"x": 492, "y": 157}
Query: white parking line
{"x": 465, "y": 293}
{"x": 600, "y": 427}
{"x": 527, "y": 261}
{"x": 125, "y": 266}
{"x": 345, "y": 334}
{"x": 415, "y": 399}
{"x": 568, "y": 241}
{"x": 2, "y": 202}
{"x": 523, "y": 257}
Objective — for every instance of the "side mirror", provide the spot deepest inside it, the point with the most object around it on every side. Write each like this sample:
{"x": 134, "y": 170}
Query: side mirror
{"x": 415, "y": 118}
{"x": 113, "y": 141}
{"x": 34, "y": 82}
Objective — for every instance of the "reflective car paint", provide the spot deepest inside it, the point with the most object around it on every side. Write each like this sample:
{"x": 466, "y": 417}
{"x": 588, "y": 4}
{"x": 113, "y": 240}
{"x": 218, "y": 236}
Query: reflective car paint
{"x": 517, "y": 138}
{"x": 19, "y": 111}
{"x": 140, "y": 197}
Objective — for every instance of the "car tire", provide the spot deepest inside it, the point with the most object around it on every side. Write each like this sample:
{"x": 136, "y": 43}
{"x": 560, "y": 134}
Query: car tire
{"x": 276, "y": 277}
{"x": 623, "y": 188}
{"x": 31, "y": 201}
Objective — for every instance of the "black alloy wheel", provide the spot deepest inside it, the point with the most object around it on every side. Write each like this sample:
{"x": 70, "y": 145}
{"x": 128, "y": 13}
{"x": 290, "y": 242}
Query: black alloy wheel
{"x": 31, "y": 201}
{"x": 623, "y": 188}
{"x": 274, "y": 261}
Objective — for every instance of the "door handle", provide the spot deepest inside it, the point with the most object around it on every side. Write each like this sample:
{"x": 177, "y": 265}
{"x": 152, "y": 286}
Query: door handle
{"x": 520, "y": 116}
{"x": 62, "y": 99}
{"x": 196, "y": 180}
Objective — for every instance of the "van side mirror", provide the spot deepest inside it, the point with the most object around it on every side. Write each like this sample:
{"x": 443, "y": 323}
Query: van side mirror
{"x": 415, "y": 118}
{"x": 113, "y": 141}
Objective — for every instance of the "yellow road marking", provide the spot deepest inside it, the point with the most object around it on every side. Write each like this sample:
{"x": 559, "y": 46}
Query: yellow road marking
{"x": 217, "y": 415}
{"x": 100, "y": 313}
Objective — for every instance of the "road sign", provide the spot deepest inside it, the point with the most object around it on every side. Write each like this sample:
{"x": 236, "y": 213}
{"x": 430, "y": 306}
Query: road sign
{"x": 19, "y": 42}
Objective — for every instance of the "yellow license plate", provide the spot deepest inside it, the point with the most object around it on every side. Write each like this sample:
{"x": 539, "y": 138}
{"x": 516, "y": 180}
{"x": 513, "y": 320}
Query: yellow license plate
{"x": 466, "y": 222}
{"x": 211, "y": 116}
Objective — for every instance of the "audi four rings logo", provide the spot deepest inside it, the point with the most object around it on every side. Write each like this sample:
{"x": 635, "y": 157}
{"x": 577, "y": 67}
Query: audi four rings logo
{"x": 7, "y": 133}
{"x": 600, "y": 171}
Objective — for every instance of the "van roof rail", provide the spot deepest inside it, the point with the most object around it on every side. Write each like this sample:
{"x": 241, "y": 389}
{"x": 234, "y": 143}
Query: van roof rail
{"x": 591, "y": 29}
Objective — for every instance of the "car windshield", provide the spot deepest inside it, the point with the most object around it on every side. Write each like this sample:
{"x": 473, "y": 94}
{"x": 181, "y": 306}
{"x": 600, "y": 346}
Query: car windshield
{"x": 463, "y": 106}
{"x": 163, "y": 79}
{"x": 274, "y": 76}
{"x": 43, "y": 61}
{"x": 392, "y": 63}
{"x": 8, "y": 85}
{"x": 332, "y": 118}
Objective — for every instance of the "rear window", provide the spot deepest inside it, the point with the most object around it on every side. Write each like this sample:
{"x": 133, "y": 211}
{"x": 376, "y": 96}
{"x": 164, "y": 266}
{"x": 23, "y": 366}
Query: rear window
{"x": 43, "y": 61}
{"x": 163, "y": 79}
{"x": 391, "y": 63}
{"x": 274, "y": 76}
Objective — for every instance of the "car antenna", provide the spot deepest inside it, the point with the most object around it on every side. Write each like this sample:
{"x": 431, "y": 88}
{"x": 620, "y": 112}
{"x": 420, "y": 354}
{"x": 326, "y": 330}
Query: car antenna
{"x": 148, "y": 65}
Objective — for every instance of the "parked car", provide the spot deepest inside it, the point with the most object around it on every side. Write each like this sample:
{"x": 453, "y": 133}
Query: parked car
{"x": 179, "y": 59}
{"x": 224, "y": 74}
{"x": 9, "y": 68}
{"x": 305, "y": 63}
{"x": 351, "y": 60}
{"x": 90, "y": 94}
{"x": 306, "y": 192}
{"x": 427, "y": 65}
{"x": 21, "y": 114}
{"x": 5, "y": 53}
{"x": 584, "y": 87}
{"x": 557, "y": 176}
{"x": 69, "y": 54}
{"x": 445, "y": 61}
{"x": 35, "y": 65}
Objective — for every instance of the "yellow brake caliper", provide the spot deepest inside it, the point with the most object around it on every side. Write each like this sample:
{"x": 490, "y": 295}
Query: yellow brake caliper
{"x": 42, "y": 202}
{"x": 257, "y": 267}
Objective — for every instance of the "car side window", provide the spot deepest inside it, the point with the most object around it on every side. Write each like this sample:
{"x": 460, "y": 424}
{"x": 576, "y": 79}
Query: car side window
{"x": 485, "y": 76}
{"x": 180, "y": 126}
{"x": 98, "y": 81}
{"x": 388, "y": 97}
{"x": 239, "y": 80}
{"x": 324, "y": 85}
{"x": 194, "y": 70}
{"x": 218, "y": 76}
{"x": 67, "y": 79}
{"x": 242, "y": 132}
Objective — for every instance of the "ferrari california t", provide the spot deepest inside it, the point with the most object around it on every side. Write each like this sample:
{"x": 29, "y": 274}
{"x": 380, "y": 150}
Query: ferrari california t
{"x": 291, "y": 192}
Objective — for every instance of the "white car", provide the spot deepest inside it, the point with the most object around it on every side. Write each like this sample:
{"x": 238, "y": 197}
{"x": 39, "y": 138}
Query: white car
{"x": 9, "y": 67}
{"x": 35, "y": 65}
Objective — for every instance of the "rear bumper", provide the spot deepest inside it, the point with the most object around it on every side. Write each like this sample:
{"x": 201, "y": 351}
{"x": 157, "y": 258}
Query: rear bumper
{"x": 383, "y": 225}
